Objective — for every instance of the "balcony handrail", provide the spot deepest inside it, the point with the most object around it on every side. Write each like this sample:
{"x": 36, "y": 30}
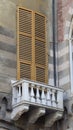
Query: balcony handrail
{"x": 16, "y": 83}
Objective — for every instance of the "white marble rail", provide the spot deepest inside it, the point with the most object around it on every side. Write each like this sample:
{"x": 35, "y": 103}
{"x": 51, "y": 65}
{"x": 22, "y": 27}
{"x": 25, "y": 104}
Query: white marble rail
{"x": 34, "y": 93}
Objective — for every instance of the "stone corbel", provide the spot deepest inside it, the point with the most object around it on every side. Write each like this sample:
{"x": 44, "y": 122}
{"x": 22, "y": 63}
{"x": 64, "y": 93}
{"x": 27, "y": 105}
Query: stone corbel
{"x": 35, "y": 114}
{"x": 18, "y": 111}
{"x": 51, "y": 118}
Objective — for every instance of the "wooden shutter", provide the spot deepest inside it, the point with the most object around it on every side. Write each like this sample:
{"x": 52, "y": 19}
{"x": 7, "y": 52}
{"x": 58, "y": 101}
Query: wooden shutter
{"x": 31, "y": 46}
{"x": 40, "y": 48}
{"x": 24, "y": 43}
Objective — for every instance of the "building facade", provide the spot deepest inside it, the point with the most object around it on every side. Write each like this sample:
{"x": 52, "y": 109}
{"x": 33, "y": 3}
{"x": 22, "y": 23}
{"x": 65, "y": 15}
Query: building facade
{"x": 36, "y": 64}
{"x": 65, "y": 55}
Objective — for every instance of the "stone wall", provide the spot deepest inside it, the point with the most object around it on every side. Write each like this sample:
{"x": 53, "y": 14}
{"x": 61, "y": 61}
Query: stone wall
{"x": 63, "y": 43}
{"x": 8, "y": 60}
{"x": 65, "y": 14}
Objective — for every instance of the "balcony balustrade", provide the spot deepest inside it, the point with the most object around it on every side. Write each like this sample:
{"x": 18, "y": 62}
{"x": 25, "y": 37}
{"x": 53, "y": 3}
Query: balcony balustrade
{"x": 27, "y": 93}
{"x": 34, "y": 93}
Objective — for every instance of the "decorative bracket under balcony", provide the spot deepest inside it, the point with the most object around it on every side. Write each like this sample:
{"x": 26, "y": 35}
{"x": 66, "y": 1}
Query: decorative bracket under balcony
{"x": 35, "y": 114}
{"x": 51, "y": 118}
{"x": 18, "y": 111}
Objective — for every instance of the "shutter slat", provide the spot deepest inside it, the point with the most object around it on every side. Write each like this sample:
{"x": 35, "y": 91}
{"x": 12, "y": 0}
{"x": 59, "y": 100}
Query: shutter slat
{"x": 40, "y": 74}
{"x": 25, "y": 18}
{"x": 25, "y": 71}
{"x": 25, "y": 47}
{"x": 40, "y": 52}
{"x": 39, "y": 26}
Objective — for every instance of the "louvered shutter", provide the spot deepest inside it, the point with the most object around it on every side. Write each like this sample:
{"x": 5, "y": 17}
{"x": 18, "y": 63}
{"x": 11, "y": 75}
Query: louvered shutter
{"x": 40, "y": 48}
{"x": 31, "y": 46}
{"x": 24, "y": 44}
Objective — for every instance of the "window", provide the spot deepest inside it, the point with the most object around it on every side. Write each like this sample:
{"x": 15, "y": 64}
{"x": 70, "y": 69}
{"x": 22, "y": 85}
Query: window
{"x": 32, "y": 57}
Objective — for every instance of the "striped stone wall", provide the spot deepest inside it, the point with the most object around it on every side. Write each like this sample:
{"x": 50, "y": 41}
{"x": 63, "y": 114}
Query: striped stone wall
{"x": 64, "y": 15}
{"x": 67, "y": 37}
{"x": 64, "y": 65}
{"x": 51, "y": 65}
{"x": 8, "y": 59}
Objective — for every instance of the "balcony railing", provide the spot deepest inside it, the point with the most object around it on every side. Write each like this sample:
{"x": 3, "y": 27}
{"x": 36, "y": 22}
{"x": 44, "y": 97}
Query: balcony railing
{"x": 36, "y": 94}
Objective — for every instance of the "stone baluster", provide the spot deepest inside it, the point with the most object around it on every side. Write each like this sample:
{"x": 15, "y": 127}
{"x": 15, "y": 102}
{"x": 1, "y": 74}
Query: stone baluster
{"x": 14, "y": 99}
{"x": 60, "y": 99}
{"x": 32, "y": 93}
{"x": 53, "y": 98}
{"x": 25, "y": 91}
{"x": 43, "y": 98}
{"x": 37, "y": 95}
{"x": 18, "y": 93}
{"x": 48, "y": 98}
